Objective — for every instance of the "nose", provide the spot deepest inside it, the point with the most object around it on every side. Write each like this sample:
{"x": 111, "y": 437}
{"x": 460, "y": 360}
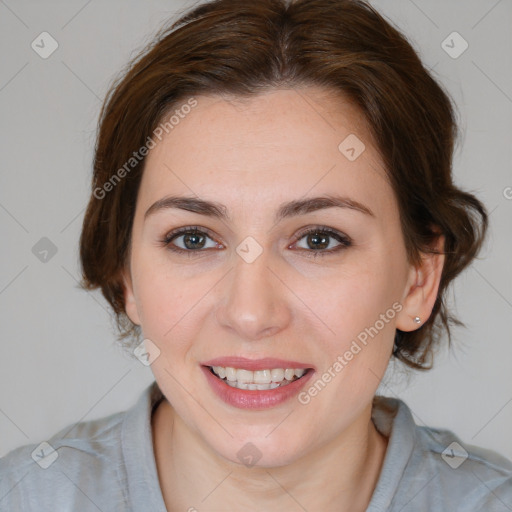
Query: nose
{"x": 253, "y": 300}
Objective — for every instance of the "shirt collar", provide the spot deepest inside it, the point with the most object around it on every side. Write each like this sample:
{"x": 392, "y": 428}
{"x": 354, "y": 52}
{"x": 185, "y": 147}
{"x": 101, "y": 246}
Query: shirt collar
{"x": 393, "y": 419}
{"x": 142, "y": 477}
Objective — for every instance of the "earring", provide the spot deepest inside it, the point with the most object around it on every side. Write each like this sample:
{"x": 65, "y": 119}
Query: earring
{"x": 417, "y": 319}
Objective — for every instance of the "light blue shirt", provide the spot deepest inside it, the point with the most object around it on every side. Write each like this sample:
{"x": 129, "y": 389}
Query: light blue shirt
{"x": 108, "y": 465}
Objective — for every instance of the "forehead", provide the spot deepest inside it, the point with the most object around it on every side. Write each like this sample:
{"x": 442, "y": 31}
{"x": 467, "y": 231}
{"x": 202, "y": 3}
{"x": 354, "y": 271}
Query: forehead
{"x": 278, "y": 145}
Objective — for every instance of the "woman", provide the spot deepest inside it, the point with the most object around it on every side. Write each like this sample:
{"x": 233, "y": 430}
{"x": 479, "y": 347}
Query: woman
{"x": 272, "y": 218}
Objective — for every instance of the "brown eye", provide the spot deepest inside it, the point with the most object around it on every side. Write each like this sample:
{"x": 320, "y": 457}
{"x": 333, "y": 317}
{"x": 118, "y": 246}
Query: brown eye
{"x": 318, "y": 240}
{"x": 323, "y": 241}
{"x": 193, "y": 240}
{"x": 189, "y": 240}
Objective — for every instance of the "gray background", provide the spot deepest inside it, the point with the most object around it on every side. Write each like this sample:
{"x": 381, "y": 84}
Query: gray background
{"x": 60, "y": 363}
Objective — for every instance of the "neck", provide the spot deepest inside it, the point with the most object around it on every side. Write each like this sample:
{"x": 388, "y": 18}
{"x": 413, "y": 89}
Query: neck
{"x": 340, "y": 475}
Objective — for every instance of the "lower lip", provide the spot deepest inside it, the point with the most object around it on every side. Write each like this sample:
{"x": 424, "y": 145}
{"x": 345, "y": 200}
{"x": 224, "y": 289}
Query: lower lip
{"x": 254, "y": 399}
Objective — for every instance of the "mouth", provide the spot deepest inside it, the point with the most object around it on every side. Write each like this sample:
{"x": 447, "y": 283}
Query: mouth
{"x": 256, "y": 383}
{"x": 258, "y": 380}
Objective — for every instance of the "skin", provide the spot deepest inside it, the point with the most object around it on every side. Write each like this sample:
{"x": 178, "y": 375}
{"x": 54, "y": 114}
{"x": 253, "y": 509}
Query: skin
{"x": 251, "y": 156}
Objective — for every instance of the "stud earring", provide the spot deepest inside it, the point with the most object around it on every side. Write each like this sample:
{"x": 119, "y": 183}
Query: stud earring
{"x": 417, "y": 319}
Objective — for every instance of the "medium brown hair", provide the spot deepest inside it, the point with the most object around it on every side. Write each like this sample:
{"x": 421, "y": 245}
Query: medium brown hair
{"x": 242, "y": 48}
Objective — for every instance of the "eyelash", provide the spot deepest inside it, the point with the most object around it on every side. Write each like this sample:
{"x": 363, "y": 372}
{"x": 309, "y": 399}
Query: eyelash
{"x": 344, "y": 240}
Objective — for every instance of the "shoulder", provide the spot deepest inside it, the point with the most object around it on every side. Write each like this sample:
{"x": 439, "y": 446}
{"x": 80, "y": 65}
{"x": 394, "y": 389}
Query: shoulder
{"x": 105, "y": 464}
{"x": 472, "y": 478}
{"x": 432, "y": 469}
{"x": 58, "y": 472}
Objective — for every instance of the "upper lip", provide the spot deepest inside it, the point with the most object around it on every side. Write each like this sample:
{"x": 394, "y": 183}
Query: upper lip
{"x": 254, "y": 364}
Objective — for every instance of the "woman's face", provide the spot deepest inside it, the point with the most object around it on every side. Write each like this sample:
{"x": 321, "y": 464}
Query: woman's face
{"x": 251, "y": 289}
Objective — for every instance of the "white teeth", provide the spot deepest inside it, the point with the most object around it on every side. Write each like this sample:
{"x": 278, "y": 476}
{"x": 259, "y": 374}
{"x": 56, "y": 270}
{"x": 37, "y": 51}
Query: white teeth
{"x": 259, "y": 379}
{"x": 260, "y": 387}
{"x": 244, "y": 376}
{"x": 230, "y": 374}
{"x": 220, "y": 371}
{"x": 277, "y": 374}
{"x": 289, "y": 373}
{"x": 262, "y": 377}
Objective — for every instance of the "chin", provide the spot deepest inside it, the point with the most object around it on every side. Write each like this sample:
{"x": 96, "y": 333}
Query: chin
{"x": 260, "y": 450}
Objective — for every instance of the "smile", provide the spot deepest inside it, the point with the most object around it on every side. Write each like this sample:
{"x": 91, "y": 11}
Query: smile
{"x": 256, "y": 383}
{"x": 260, "y": 380}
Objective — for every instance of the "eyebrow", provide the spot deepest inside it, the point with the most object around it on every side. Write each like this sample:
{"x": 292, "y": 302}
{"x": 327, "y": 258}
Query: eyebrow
{"x": 286, "y": 210}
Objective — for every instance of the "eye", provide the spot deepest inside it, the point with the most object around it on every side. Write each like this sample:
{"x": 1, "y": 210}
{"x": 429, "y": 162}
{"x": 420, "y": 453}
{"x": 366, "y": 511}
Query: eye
{"x": 323, "y": 240}
{"x": 319, "y": 241}
{"x": 189, "y": 239}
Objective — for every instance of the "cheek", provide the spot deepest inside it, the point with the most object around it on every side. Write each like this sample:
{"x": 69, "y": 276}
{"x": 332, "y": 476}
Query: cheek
{"x": 360, "y": 307}
{"x": 163, "y": 299}
{"x": 362, "y": 313}
{"x": 351, "y": 302}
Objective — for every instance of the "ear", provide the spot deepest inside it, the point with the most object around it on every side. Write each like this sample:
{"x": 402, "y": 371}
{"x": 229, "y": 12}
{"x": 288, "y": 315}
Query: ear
{"x": 130, "y": 303}
{"x": 420, "y": 293}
